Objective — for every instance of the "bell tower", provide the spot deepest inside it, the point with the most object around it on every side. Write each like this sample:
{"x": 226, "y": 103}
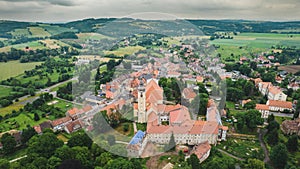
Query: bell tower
{"x": 141, "y": 104}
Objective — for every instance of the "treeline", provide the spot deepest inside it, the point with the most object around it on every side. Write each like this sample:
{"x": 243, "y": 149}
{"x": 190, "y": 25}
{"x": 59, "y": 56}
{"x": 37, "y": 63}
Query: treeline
{"x": 65, "y": 35}
{"x": 35, "y": 55}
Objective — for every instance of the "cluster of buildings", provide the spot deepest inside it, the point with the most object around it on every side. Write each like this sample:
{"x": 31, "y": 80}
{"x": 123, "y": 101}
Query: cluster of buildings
{"x": 164, "y": 120}
{"x": 69, "y": 124}
{"x": 276, "y": 99}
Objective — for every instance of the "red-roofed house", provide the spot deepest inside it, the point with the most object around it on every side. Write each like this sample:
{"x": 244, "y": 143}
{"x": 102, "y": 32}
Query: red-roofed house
{"x": 277, "y": 105}
{"x": 202, "y": 151}
{"x": 188, "y": 94}
{"x": 263, "y": 109}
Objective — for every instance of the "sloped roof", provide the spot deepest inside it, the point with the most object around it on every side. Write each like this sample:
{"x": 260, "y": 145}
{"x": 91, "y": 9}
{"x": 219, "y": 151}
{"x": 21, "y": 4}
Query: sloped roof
{"x": 261, "y": 107}
{"x": 282, "y": 104}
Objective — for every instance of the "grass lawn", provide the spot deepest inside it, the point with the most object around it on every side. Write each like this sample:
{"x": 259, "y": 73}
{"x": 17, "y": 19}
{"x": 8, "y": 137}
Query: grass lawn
{"x": 62, "y": 137}
{"x": 20, "y": 122}
{"x": 127, "y": 50}
{"x": 14, "y": 68}
{"x": 63, "y": 105}
{"x": 4, "y": 91}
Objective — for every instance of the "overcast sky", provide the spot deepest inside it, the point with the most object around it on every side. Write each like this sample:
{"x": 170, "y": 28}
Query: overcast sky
{"x": 68, "y": 10}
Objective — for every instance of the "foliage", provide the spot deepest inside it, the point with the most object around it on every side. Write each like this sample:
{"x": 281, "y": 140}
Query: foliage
{"x": 255, "y": 164}
{"x": 8, "y": 143}
{"x": 279, "y": 156}
{"x": 292, "y": 144}
{"x": 44, "y": 145}
{"x": 80, "y": 139}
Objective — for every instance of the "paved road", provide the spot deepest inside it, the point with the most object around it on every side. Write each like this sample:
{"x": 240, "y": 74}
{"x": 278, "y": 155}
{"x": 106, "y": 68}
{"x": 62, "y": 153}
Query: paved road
{"x": 263, "y": 145}
{"x": 45, "y": 90}
{"x": 233, "y": 156}
{"x": 16, "y": 159}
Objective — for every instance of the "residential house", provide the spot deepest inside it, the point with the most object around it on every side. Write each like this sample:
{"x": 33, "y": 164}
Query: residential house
{"x": 202, "y": 151}
{"x": 263, "y": 109}
{"x": 73, "y": 126}
{"x": 188, "y": 94}
{"x": 277, "y": 105}
{"x": 59, "y": 124}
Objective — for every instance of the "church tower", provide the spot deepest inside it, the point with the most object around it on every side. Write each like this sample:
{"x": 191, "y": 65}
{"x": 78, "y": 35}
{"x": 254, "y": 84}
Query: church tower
{"x": 142, "y": 104}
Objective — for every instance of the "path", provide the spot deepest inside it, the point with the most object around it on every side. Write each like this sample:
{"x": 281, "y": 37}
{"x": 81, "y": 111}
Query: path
{"x": 16, "y": 159}
{"x": 263, "y": 145}
{"x": 233, "y": 156}
{"x": 121, "y": 142}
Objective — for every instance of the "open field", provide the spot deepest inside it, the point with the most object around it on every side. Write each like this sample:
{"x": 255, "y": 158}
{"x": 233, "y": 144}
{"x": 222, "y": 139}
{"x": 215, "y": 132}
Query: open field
{"x": 290, "y": 68}
{"x": 39, "y": 32}
{"x": 20, "y": 32}
{"x": 54, "y": 29}
{"x": 95, "y": 57}
{"x": 127, "y": 50}
{"x": 53, "y": 44}
{"x": 14, "y": 68}
{"x": 4, "y": 91}
{"x": 92, "y": 36}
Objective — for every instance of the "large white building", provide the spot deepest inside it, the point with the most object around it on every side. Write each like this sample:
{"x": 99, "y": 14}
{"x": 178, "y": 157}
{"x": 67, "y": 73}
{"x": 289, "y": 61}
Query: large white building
{"x": 272, "y": 92}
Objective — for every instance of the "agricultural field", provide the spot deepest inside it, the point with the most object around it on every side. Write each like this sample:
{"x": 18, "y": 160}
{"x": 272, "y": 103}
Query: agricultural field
{"x": 6, "y": 70}
{"x": 127, "y": 50}
{"x": 20, "y": 32}
{"x": 290, "y": 68}
{"x": 33, "y": 45}
{"x": 54, "y": 29}
{"x": 95, "y": 57}
{"x": 39, "y": 32}
{"x": 53, "y": 44}
{"x": 92, "y": 36}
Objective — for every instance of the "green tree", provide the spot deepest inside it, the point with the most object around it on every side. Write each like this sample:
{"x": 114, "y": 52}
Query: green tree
{"x": 250, "y": 105}
{"x": 9, "y": 143}
{"x": 64, "y": 153}
{"x": 194, "y": 161}
{"x": 292, "y": 143}
{"x": 36, "y": 117}
{"x": 255, "y": 164}
{"x": 272, "y": 137}
{"x": 53, "y": 162}
{"x": 27, "y": 134}
{"x": 119, "y": 163}
{"x": 80, "y": 139}
{"x": 4, "y": 164}
{"x": 83, "y": 155}
{"x": 44, "y": 145}
{"x": 279, "y": 156}
{"x": 103, "y": 159}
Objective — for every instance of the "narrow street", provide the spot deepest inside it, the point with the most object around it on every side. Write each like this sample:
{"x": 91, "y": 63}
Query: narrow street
{"x": 263, "y": 145}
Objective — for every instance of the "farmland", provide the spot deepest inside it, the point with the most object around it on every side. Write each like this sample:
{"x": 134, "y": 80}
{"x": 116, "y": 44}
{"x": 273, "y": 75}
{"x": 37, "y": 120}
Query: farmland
{"x": 18, "y": 68}
{"x": 4, "y": 91}
{"x": 92, "y": 36}
{"x": 290, "y": 68}
{"x": 127, "y": 50}
{"x": 39, "y": 32}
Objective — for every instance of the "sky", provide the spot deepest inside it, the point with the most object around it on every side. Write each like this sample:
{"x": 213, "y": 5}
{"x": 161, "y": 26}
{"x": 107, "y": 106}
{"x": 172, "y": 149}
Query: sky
{"x": 70, "y": 10}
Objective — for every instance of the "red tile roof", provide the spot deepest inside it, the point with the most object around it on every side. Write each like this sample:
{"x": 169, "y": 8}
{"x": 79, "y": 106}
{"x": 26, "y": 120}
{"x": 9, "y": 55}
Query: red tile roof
{"x": 282, "y": 104}
{"x": 261, "y": 107}
{"x": 61, "y": 121}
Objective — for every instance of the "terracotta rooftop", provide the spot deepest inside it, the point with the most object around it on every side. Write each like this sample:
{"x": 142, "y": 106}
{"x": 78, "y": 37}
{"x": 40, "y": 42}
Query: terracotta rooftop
{"x": 261, "y": 107}
{"x": 201, "y": 149}
{"x": 282, "y": 104}
{"x": 189, "y": 93}
{"x": 61, "y": 121}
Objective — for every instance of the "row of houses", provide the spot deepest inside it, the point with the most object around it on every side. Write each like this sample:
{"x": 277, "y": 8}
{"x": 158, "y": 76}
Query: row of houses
{"x": 70, "y": 123}
{"x": 273, "y": 106}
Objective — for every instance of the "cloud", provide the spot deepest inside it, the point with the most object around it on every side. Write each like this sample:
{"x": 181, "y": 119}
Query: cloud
{"x": 67, "y": 10}
{"x": 53, "y": 2}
